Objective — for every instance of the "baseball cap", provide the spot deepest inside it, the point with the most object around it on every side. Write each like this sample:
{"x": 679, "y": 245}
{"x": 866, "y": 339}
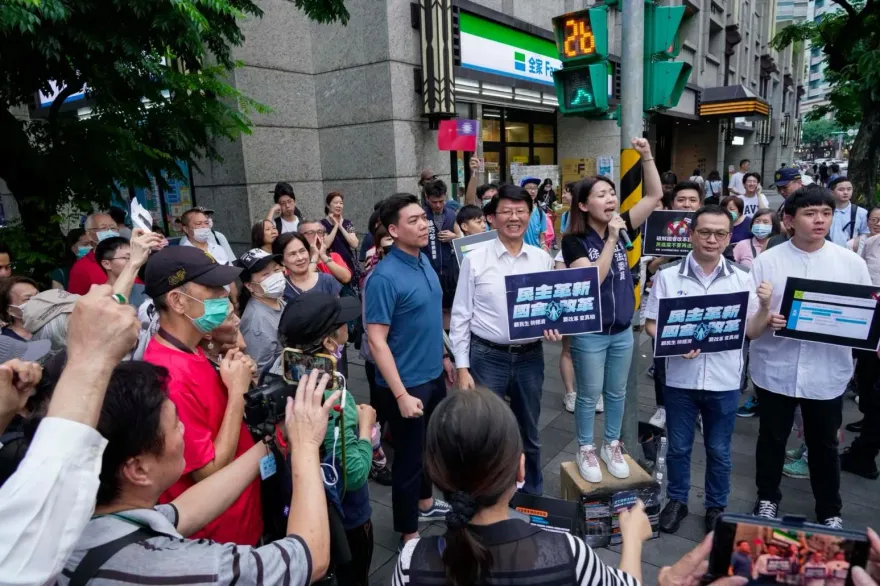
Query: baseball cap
{"x": 310, "y": 316}
{"x": 255, "y": 260}
{"x": 174, "y": 266}
{"x": 427, "y": 175}
{"x": 526, "y": 180}
{"x": 204, "y": 210}
{"x": 786, "y": 175}
{"x": 32, "y": 351}
{"x": 46, "y": 306}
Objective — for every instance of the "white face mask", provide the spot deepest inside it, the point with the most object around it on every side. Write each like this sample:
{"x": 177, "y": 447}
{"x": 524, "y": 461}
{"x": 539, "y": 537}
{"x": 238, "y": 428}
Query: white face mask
{"x": 273, "y": 285}
{"x": 105, "y": 234}
{"x": 201, "y": 234}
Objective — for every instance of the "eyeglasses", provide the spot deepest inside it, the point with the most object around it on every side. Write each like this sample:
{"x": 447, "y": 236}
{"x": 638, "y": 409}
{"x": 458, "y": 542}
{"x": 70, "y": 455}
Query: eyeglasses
{"x": 125, "y": 258}
{"x": 512, "y": 213}
{"x": 315, "y": 233}
{"x": 718, "y": 234}
{"x": 874, "y": 221}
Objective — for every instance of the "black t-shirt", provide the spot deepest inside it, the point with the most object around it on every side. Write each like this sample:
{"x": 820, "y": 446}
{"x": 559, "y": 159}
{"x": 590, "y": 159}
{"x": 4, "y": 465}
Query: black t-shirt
{"x": 617, "y": 295}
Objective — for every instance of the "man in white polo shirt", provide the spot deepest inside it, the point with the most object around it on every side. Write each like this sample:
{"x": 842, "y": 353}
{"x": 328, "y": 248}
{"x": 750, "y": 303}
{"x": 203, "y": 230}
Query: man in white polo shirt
{"x": 479, "y": 331}
{"x": 786, "y": 372}
{"x": 706, "y": 385}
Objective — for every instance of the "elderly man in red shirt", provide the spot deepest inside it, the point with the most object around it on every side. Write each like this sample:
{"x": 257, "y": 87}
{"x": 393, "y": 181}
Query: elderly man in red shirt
{"x": 86, "y": 271}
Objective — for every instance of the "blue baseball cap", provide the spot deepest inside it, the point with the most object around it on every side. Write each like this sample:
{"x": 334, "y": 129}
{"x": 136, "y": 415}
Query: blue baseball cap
{"x": 526, "y": 180}
{"x": 786, "y": 175}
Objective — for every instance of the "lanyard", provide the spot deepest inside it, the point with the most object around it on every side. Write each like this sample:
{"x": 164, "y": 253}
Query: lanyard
{"x": 174, "y": 341}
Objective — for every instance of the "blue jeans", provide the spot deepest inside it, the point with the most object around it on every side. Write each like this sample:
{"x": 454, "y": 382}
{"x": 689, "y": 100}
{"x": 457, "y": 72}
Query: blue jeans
{"x": 601, "y": 367}
{"x": 521, "y": 377}
{"x": 718, "y": 409}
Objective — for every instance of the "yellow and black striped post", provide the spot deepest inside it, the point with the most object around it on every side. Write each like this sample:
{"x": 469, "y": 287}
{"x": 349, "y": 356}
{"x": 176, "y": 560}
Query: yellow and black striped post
{"x": 630, "y": 194}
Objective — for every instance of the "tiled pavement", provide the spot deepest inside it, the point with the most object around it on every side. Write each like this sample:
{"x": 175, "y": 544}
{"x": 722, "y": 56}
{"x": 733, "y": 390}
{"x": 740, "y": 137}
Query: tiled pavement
{"x": 558, "y": 444}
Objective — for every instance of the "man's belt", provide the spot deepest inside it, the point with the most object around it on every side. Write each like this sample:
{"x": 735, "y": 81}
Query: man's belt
{"x": 509, "y": 348}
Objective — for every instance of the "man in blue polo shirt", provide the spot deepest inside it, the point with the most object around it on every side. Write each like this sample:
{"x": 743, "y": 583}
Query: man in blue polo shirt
{"x": 405, "y": 332}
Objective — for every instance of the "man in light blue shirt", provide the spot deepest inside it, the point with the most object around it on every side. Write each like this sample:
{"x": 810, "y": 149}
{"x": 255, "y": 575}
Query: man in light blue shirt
{"x": 849, "y": 220}
{"x": 538, "y": 219}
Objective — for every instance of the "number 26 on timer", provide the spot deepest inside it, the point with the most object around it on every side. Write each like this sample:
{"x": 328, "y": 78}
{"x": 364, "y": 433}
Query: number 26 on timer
{"x": 579, "y": 39}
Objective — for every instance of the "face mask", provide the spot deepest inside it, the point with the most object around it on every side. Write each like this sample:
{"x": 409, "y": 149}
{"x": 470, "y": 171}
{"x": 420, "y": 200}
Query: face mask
{"x": 215, "y": 314}
{"x": 82, "y": 251}
{"x": 273, "y": 286}
{"x": 733, "y": 215}
{"x": 20, "y": 312}
{"x": 201, "y": 234}
{"x": 105, "y": 234}
{"x": 337, "y": 353}
{"x": 484, "y": 202}
{"x": 761, "y": 230}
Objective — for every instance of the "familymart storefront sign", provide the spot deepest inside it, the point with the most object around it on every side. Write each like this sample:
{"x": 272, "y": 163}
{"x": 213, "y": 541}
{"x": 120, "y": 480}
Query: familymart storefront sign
{"x": 491, "y": 47}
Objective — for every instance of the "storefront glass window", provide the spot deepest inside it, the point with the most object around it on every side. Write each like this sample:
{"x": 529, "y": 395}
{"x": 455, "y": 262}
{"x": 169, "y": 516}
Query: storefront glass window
{"x": 544, "y": 133}
{"x": 544, "y": 156}
{"x": 517, "y": 131}
{"x": 516, "y": 136}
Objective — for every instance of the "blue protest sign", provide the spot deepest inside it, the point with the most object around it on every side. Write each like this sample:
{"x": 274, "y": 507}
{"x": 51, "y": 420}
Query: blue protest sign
{"x": 708, "y": 323}
{"x": 564, "y": 300}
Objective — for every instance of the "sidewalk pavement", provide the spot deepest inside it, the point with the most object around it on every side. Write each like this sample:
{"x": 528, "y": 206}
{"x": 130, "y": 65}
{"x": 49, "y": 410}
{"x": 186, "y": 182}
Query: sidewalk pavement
{"x": 861, "y": 506}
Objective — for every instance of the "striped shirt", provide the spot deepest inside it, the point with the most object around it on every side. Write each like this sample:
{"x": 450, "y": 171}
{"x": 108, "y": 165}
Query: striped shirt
{"x": 586, "y": 567}
{"x": 169, "y": 559}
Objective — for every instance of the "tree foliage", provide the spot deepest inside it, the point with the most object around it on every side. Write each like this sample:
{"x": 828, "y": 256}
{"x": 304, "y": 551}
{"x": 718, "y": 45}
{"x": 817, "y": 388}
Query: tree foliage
{"x": 819, "y": 131}
{"x": 850, "y": 42}
{"x": 155, "y": 77}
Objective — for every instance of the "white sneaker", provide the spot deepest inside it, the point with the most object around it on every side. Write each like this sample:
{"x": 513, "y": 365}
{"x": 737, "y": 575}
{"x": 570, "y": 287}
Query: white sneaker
{"x": 600, "y": 405}
{"x": 700, "y": 423}
{"x": 569, "y": 400}
{"x": 588, "y": 464}
{"x": 658, "y": 419}
{"x": 612, "y": 455}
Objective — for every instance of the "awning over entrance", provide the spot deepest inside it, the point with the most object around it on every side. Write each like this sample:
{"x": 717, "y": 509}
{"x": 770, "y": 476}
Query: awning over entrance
{"x": 732, "y": 101}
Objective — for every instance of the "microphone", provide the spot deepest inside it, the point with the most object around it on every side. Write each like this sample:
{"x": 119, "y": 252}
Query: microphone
{"x": 624, "y": 235}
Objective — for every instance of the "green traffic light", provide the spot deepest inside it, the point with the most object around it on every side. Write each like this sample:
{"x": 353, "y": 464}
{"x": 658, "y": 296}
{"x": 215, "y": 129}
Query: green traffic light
{"x": 582, "y": 98}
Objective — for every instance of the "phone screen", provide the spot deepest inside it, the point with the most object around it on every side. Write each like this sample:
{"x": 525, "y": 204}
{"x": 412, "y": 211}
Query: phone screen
{"x": 775, "y": 553}
{"x": 296, "y": 365}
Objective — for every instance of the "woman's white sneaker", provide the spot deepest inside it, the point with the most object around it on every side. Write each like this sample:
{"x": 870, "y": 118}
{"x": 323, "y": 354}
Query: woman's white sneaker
{"x": 588, "y": 464}
{"x": 569, "y": 400}
{"x": 612, "y": 455}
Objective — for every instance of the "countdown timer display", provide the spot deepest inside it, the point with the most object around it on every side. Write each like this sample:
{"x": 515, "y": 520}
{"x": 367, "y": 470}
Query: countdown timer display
{"x": 577, "y": 38}
{"x": 582, "y": 37}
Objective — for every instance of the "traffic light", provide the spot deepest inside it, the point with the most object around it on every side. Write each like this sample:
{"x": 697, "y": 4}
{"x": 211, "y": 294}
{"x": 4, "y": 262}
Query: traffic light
{"x": 582, "y": 41}
{"x": 664, "y": 79}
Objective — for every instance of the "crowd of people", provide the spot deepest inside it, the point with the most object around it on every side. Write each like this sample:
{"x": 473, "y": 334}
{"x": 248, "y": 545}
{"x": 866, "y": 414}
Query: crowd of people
{"x": 130, "y": 387}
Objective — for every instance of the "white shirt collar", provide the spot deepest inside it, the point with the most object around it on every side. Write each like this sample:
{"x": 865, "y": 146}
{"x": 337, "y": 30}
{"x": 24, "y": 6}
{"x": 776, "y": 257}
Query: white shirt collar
{"x": 698, "y": 270}
{"x": 501, "y": 250}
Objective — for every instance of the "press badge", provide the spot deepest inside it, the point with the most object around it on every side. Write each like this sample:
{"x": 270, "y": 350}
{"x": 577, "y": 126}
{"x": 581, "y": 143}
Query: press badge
{"x": 267, "y": 466}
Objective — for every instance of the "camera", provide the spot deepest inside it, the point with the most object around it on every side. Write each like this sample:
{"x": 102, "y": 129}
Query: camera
{"x": 264, "y": 405}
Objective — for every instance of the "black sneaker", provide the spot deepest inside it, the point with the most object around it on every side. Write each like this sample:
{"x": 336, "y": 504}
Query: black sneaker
{"x": 437, "y": 512}
{"x": 749, "y": 408}
{"x": 381, "y": 475}
{"x": 852, "y": 462}
{"x": 712, "y": 516}
{"x": 672, "y": 515}
{"x": 855, "y": 426}
{"x": 766, "y": 509}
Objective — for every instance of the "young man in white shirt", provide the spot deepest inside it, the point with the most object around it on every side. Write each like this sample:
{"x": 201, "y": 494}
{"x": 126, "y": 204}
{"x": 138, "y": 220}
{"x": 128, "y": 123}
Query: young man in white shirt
{"x": 736, "y": 185}
{"x": 786, "y": 372}
{"x": 850, "y": 220}
{"x": 479, "y": 330}
{"x": 706, "y": 385}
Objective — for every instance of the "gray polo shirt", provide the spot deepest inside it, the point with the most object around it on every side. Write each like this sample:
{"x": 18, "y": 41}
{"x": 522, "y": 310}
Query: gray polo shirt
{"x": 259, "y": 327}
{"x": 170, "y": 559}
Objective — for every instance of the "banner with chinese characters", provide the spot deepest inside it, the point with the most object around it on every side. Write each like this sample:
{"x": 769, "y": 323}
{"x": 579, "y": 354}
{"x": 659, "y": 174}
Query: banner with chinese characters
{"x": 708, "y": 323}
{"x": 667, "y": 233}
{"x": 564, "y": 300}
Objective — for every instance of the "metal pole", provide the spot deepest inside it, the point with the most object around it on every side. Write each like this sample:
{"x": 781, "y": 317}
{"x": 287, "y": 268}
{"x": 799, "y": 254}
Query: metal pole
{"x": 631, "y": 126}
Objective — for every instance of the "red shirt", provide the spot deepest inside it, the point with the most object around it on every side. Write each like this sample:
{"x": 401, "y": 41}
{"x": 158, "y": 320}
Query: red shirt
{"x": 84, "y": 273}
{"x": 322, "y": 266}
{"x": 200, "y": 396}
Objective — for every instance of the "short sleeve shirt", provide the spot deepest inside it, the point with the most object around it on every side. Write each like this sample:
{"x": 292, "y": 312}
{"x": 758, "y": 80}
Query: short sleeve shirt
{"x": 326, "y": 284}
{"x": 200, "y": 397}
{"x": 259, "y": 327}
{"x": 404, "y": 293}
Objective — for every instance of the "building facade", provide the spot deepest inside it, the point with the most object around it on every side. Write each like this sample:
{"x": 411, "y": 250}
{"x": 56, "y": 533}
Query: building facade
{"x": 815, "y": 85}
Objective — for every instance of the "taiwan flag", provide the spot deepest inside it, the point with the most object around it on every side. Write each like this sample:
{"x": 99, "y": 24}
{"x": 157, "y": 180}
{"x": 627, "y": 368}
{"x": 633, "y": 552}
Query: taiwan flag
{"x": 457, "y": 135}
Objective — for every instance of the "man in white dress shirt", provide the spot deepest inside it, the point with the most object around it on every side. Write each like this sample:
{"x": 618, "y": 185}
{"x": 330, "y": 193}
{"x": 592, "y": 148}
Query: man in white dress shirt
{"x": 788, "y": 373}
{"x": 197, "y": 232}
{"x": 478, "y": 328}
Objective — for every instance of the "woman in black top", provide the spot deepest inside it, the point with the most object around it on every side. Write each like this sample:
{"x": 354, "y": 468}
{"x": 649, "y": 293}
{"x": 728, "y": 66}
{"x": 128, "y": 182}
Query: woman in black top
{"x": 546, "y": 195}
{"x": 475, "y": 456}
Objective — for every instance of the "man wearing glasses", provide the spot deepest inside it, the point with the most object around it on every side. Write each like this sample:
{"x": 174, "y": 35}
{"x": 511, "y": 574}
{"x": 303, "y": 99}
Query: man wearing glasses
{"x": 706, "y": 385}
{"x": 86, "y": 271}
{"x": 322, "y": 260}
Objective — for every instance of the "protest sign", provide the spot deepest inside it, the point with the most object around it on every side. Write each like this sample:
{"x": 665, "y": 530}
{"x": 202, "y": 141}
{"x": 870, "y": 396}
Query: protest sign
{"x": 462, "y": 246}
{"x": 841, "y": 314}
{"x": 667, "y": 233}
{"x": 564, "y": 300}
{"x": 708, "y": 323}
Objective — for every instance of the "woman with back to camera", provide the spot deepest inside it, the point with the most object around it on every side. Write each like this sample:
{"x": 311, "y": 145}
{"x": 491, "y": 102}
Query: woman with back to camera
{"x": 601, "y": 360}
{"x": 714, "y": 187}
{"x": 474, "y": 454}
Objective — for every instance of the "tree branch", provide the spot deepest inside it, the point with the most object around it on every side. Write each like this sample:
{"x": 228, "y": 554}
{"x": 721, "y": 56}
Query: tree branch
{"x": 69, "y": 90}
{"x": 848, "y": 7}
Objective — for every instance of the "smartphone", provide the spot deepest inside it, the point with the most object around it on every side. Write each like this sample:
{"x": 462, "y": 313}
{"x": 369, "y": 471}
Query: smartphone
{"x": 296, "y": 365}
{"x": 786, "y": 551}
